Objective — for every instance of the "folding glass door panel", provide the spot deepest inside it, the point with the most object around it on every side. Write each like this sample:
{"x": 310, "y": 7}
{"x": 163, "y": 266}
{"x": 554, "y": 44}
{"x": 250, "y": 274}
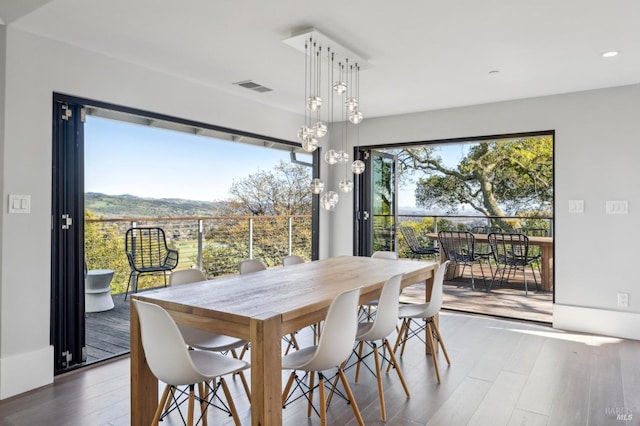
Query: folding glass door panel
{"x": 67, "y": 236}
{"x": 376, "y": 204}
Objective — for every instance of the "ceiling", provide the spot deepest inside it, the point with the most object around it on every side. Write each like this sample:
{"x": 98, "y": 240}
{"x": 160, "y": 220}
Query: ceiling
{"x": 425, "y": 54}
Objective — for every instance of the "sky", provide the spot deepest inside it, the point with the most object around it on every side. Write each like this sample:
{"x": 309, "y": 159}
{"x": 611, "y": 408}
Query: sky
{"x": 451, "y": 155}
{"x": 124, "y": 158}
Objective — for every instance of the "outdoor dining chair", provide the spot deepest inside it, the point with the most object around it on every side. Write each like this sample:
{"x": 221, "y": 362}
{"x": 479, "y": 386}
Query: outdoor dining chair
{"x": 460, "y": 248}
{"x": 535, "y": 252}
{"x": 483, "y": 249}
{"x": 511, "y": 252}
{"x": 148, "y": 253}
{"x": 415, "y": 246}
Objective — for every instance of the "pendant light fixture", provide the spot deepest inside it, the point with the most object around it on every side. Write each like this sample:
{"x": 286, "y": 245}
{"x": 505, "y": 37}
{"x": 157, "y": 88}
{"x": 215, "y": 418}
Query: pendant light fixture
{"x": 343, "y": 92}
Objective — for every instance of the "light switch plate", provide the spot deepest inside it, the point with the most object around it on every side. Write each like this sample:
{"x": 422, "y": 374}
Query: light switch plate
{"x": 617, "y": 207}
{"x": 19, "y": 203}
{"x": 576, "y": 206}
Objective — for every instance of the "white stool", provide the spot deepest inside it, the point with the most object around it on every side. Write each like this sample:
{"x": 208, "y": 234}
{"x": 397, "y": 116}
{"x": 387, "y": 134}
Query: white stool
{"x": 97, "y": 290}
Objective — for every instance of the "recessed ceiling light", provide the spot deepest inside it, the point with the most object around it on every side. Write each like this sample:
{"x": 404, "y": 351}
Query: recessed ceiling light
{"x": 610, "y": 54}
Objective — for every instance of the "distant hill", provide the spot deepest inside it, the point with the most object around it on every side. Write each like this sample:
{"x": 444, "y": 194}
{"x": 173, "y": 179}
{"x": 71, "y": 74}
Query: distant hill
{"x": 123, "y": 206}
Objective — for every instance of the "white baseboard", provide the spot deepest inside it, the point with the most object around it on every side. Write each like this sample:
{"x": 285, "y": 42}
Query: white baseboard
{"x": 597, "y": 321}
{"x": 26, "y": 371}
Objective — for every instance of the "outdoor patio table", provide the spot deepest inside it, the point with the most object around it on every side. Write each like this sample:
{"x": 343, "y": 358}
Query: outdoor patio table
{"x": 261, "y": 307}
{"x": 546, "y": 258}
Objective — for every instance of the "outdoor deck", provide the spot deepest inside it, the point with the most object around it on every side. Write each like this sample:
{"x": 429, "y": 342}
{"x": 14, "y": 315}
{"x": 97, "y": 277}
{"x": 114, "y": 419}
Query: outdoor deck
{"x": 108, "y": 332}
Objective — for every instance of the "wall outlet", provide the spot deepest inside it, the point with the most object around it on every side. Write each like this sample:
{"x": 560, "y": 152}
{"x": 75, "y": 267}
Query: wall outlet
{"x": 623, "y": 300}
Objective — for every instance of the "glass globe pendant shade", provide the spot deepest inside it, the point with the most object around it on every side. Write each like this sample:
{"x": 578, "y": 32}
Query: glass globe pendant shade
{"x": 355, "y": 117}
{"x": 303, "y": 133}
{"x": 351, "y": 104}
{"x": 319, "y": 129}
{"x": 346, "y": 185}
{"x": 331, "y": 156}
{"x": 343, "y": 156}
{"x": 314, "y": 103}
{"x": 329, "y": 200}
{"x": 310, "y": 144}
{"x": 357, "y": 167}
{"x": 339, "y": 87}
{"x": 317, "y": 186}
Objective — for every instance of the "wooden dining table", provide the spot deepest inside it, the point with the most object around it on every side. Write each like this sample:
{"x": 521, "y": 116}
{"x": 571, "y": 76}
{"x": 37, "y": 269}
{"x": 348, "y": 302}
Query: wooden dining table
{"x": 261, "y": 307}
{"x": 546, "y": 256}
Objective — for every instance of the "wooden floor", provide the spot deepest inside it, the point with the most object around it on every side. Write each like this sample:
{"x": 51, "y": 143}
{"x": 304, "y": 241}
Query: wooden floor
{"x": 502, "y": 373}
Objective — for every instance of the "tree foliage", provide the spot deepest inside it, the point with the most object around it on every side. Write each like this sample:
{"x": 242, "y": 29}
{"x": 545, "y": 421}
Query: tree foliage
{"x": 278, "y": 194}
{"x": 104, "y": 249}
{"x": 509, "y": 174}
{"x": 281, "y": 191}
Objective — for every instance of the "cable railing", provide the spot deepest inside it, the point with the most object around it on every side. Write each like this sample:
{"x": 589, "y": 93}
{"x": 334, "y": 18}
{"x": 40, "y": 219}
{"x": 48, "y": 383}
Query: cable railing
{"x": 213, "y": 244}
{"x": 386, "y": 236}
{"x": 507, "y": 223}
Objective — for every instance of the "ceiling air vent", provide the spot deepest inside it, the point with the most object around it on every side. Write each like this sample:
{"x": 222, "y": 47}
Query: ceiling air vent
{"x": 248, "y": 84}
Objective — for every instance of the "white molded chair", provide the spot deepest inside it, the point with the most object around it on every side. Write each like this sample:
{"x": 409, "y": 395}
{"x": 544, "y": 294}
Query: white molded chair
{"x": 335, "y": 345}
{"x": 251, "y": 265}
{"x": 202, "y": 339}
{"x": 186, "y": 276}
{"x": 366, "y": 308}
{"x": 292, "y": 259}
{"x": 379, "y": 329}
{"x": 172, "y": 363}
{"x": 391, "y": 255}
{"x": 426, "y": 312}
{"x": 248, "y": 266}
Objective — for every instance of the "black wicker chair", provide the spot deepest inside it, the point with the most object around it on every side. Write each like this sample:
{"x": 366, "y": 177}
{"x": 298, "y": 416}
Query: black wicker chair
{"x": 414, "y": 245}
{"x": 511, "y": 251}
{"x": 459, "y": 247}
{"x": 148, "y": 254}
{"x": 535, "y": 252}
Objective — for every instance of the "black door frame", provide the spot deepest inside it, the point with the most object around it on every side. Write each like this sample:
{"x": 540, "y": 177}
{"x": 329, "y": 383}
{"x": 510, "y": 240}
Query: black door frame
{"x": 67, "y": 236}
{"x": 67, "y": 246}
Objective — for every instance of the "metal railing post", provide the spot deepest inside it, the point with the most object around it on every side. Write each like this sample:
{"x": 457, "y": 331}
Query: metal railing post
{"x": 200, "y": 242}
{"x": 290, "y": 220}
{"x": 250, "y": 238}
{"x": 435, "y": 229}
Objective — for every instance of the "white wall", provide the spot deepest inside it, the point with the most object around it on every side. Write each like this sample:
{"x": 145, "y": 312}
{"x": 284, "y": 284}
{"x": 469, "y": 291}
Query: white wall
{"x": 35, "y": 68}
{"x": 597, "y": 147}
{"x": 595, "y": 136}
